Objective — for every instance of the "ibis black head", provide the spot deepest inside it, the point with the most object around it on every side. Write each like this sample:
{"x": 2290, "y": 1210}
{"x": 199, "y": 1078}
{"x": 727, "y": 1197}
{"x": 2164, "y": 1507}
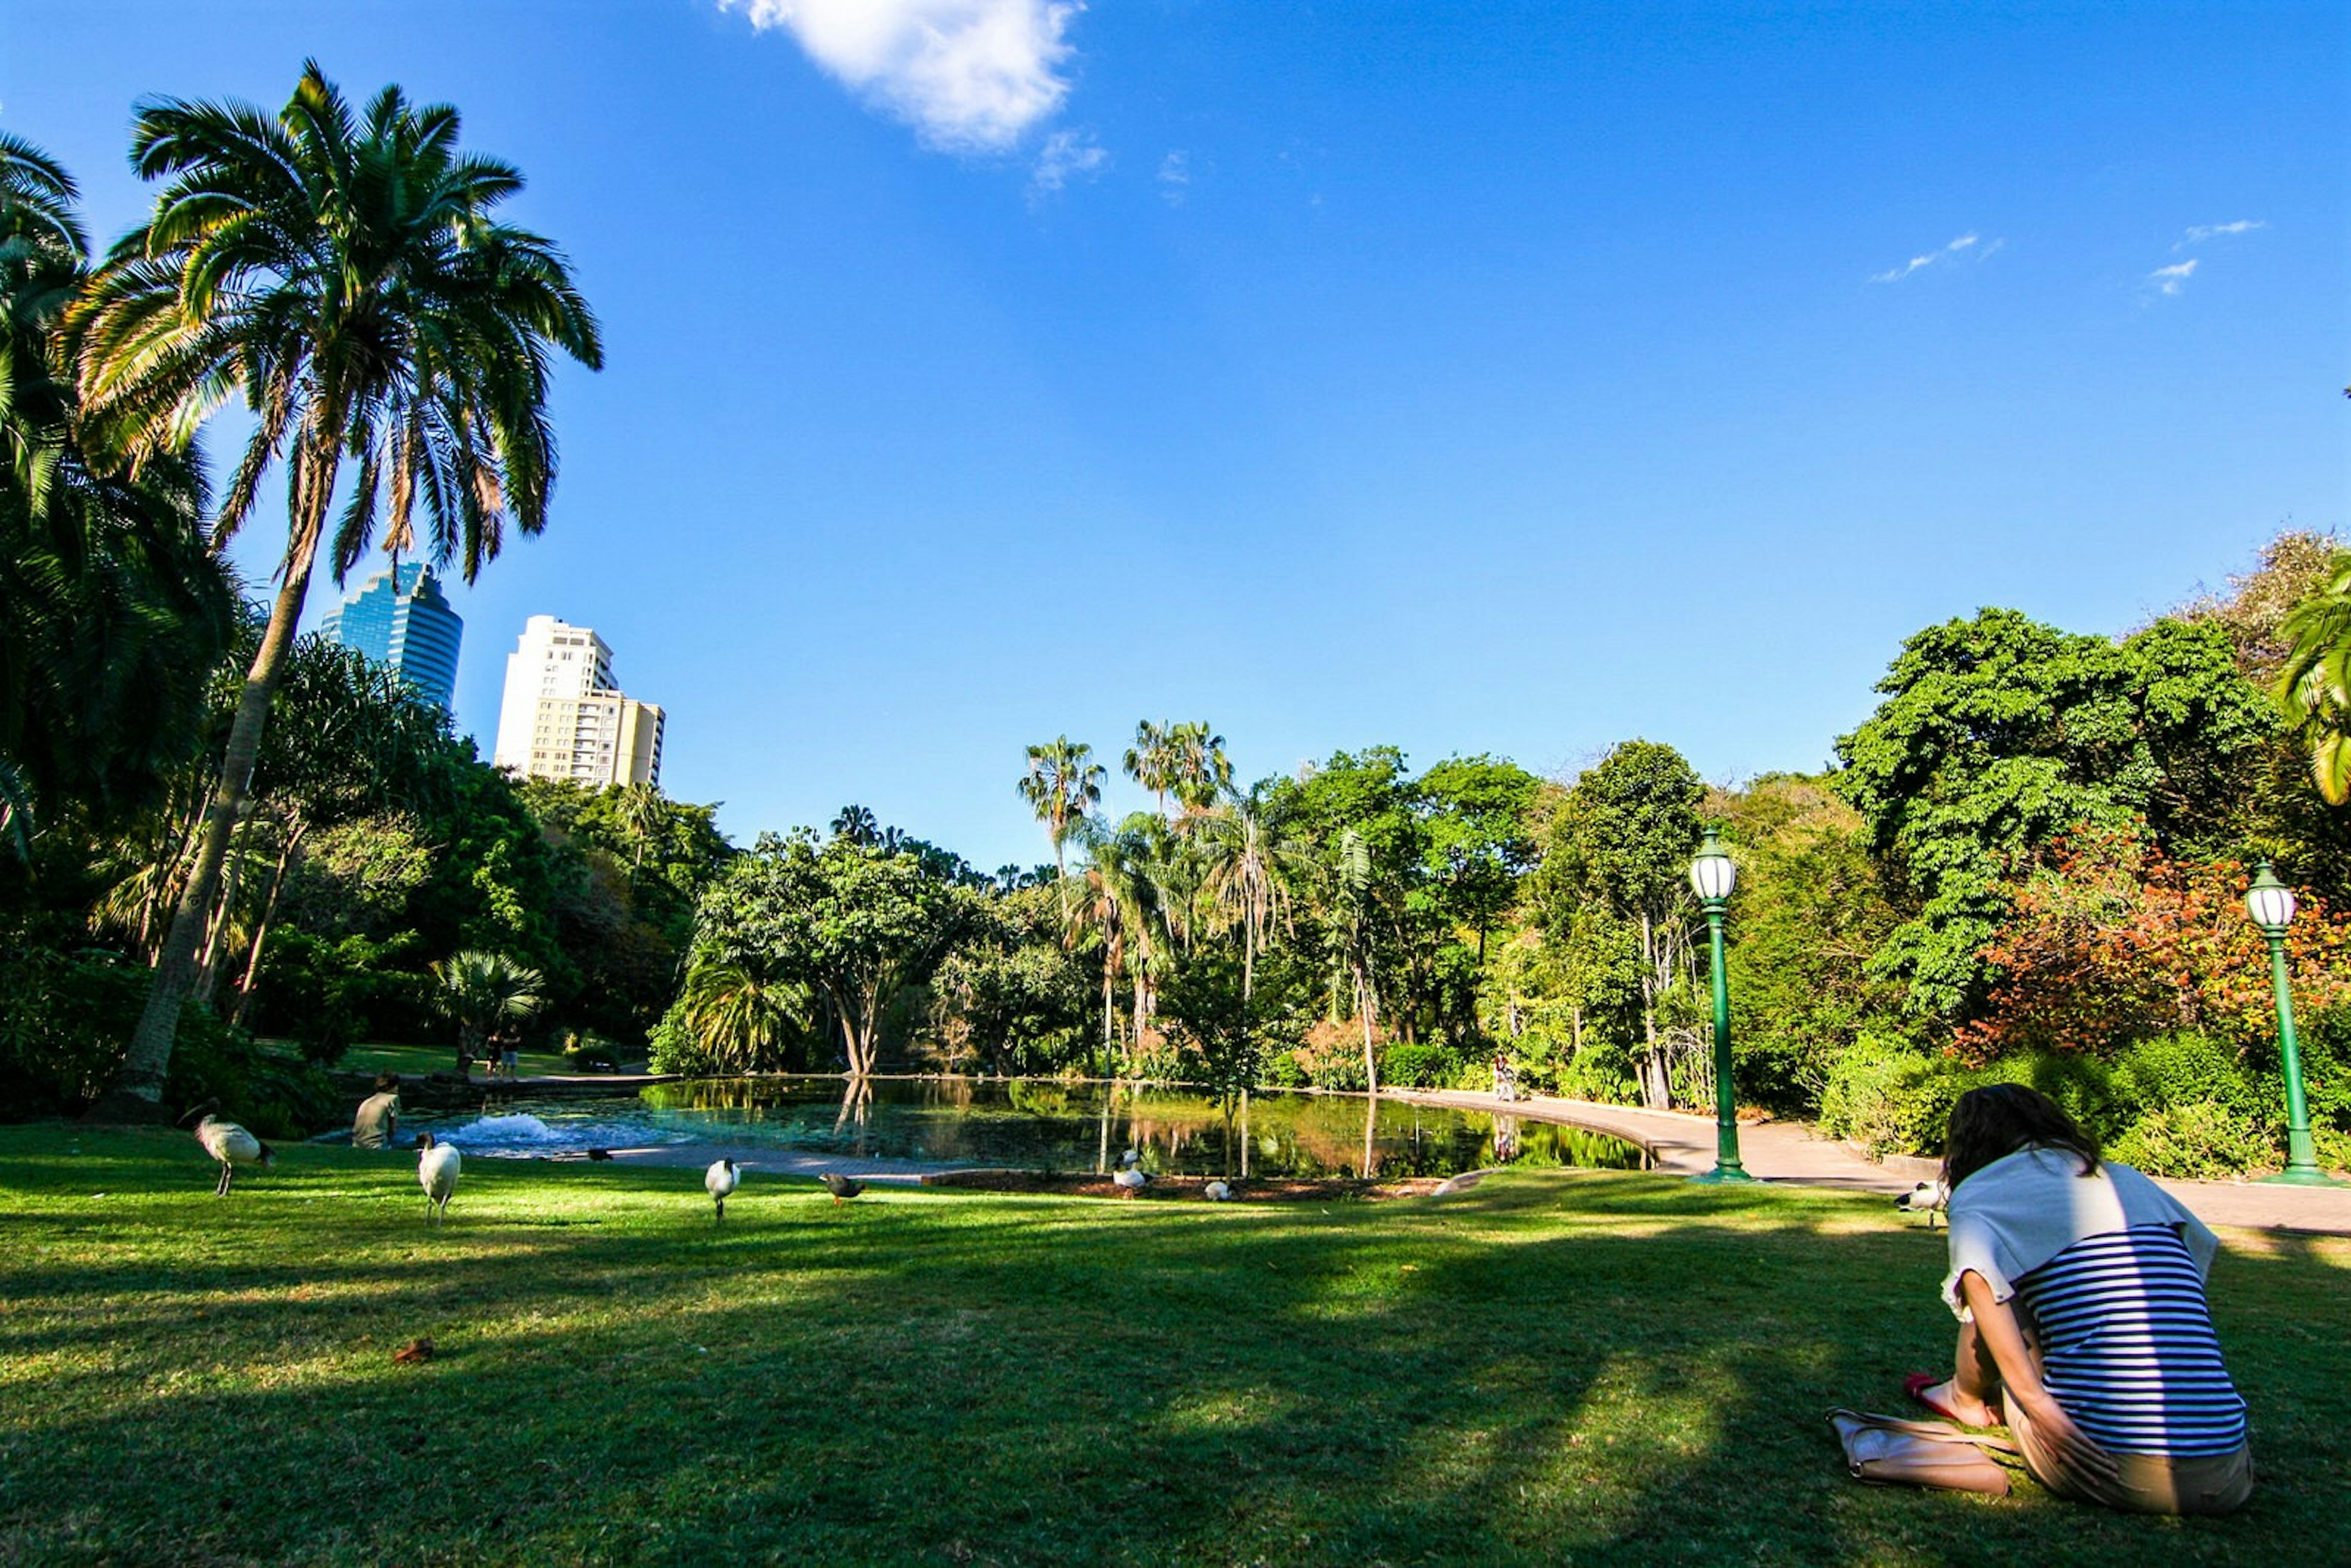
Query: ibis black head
{"x": 197, "y": 1112}
{"x": 425, "y": 1141}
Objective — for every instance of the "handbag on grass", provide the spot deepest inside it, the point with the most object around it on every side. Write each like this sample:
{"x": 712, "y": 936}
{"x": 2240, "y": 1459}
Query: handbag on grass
{"x": 1921, "y": 1453}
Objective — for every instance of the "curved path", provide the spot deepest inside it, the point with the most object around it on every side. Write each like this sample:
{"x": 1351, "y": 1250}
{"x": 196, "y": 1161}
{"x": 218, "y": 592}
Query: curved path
{"x": 1793, "y": 1153}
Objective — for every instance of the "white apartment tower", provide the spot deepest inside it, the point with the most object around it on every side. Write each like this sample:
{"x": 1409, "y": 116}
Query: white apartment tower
{"x": 563, "y": 718}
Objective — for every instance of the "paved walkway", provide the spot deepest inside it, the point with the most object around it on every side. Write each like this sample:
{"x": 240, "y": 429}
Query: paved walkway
{"x": 1790, "y": 1152}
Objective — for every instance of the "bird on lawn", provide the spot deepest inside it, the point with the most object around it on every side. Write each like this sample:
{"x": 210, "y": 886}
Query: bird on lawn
{"x": 842, "y": 1186}
{"x": 720, "y": 1181}
{"x": 229, "y": 1144}
{"x": 1927, "y": 1198}
{"x": 1131, "y": 1179}
{"x": 1132, "y": 1158}
{"x": 436, "y": 1171}
{"x": 1216, "y": 1192}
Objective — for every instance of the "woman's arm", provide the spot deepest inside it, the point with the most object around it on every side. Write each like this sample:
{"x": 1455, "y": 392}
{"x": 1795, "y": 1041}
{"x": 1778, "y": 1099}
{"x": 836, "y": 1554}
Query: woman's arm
{"x": 2020, "y": 1380}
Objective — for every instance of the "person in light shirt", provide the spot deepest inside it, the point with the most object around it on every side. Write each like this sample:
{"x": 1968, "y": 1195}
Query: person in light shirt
{"x": 378, "y": 1122}
{"x": 2083, "y": 1328}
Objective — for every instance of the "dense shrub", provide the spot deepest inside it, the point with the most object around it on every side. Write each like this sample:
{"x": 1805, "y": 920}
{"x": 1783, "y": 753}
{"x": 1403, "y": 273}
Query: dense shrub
{"x": 1426, "y": 1066}
{"x": 2202, "y": 1139}
{"x": 1600, "y": 1072}
{"x": 1890, "y": 1098}
{"x": 2181, "y": 1068}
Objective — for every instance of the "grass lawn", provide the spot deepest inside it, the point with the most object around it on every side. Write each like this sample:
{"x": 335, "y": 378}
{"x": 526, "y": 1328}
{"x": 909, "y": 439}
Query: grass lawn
{"x": 1557, "y": 1367}
{"x": 423, "y": 1059}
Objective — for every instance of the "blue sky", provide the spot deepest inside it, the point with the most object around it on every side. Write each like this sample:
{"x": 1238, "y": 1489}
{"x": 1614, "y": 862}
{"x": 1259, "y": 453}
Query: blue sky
{"x": 1468, "y": 378}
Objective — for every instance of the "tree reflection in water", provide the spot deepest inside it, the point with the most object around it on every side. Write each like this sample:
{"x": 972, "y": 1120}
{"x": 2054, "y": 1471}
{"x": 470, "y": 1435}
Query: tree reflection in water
{"x": 1045, "y": 1124}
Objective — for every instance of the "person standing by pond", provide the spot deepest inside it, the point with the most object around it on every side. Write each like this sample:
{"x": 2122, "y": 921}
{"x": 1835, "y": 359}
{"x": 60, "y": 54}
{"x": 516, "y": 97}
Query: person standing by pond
{"x": 378, "y": 1122}
{"x": 2079, "y": 1286}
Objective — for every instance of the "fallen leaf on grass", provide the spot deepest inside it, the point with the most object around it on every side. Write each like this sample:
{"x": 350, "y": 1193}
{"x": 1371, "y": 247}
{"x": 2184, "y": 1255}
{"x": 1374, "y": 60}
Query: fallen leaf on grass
{"x": 414, "y": 1351}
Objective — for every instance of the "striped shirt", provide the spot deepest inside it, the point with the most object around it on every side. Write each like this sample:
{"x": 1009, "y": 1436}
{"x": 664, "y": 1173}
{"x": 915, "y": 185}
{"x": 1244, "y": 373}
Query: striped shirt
{"x": 2127, "y": 1346}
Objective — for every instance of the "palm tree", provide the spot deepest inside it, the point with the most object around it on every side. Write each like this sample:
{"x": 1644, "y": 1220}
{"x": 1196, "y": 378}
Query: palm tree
{"x": 858, "y": 825}
{"x": 2315, "y": 684}
{"x": 739, "y": 1013}
{"x": 345, "y": 274}
{"x": 1199, "y": 773}
{"x": 112, "y": 610}
{"x": 1108, "y": 915}
{"x": 1151, "y": 761}
{"x": 637, "y": 810}
{"x": 1249, "y": 868}
{"x": 1062, "y": 786}
{"x": 1351, "y": 908}
{"x": 478, "y": 991}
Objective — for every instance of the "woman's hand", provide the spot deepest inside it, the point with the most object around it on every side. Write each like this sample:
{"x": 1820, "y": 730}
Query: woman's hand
{"x": 2070, "y": 1445}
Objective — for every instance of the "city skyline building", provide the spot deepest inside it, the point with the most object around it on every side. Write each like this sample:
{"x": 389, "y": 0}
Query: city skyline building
{"x": 563, "y": 716}
{"x": 401, "y": 618}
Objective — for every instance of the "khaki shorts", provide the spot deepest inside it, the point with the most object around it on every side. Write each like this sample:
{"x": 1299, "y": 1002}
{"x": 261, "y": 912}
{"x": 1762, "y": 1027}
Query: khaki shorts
{"x": 2149, "y": 1483}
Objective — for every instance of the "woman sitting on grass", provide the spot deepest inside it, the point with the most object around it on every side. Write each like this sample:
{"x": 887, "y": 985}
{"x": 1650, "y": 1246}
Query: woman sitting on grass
{"x": 2079, "y": 1287}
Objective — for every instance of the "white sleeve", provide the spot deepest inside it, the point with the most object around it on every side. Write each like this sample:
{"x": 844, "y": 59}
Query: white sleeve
{"x": 1975, "y": 1248}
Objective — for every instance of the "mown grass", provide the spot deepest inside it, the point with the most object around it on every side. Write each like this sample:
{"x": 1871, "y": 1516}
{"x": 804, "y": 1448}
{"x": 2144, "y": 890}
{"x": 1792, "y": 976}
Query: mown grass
{"x": 1558, "y": 1367}
{"x": 423, "y": 1058}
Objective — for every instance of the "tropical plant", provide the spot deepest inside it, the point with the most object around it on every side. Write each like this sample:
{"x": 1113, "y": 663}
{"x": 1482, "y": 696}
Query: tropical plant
{"x": 739, "y": 1013}
{"x": 479, "y": 992}
{"x": 2314, "y": 685}
{"x": 857, "y": 825}
{"x": 1062, "y": 786}
{"x": 343, "y": 273}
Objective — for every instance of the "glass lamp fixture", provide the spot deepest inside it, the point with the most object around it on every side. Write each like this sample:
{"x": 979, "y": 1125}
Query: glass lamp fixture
{"x": 2269, "y": 900}
{"x": 1712, "y": 874}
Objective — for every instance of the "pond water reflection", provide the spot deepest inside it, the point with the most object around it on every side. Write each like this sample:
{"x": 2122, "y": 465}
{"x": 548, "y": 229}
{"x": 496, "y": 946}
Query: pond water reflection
{"x": 1051, "y": 1125}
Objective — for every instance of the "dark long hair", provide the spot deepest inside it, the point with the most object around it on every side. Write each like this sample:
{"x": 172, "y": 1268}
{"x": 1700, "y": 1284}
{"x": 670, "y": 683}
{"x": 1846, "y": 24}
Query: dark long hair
{"x": 1997, "y": 1120}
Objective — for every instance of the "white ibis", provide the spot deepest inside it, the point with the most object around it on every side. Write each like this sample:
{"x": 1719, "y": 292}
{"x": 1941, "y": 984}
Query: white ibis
{"x": 1927, "y": 1198}
{"x": 437, "y": 1165}
{"x": 720, "y": 1181}
{"x": 842, "y": 1186}
{"x": 1133, "y": 1180}
{"x": 1132, "y": 1158}
{"x": 229, "y": 1144}
{"x": 1216, "y": 1192}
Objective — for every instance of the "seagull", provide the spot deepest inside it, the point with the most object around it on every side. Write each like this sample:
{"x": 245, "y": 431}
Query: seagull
{"x": 1216, "y": 1192}
{"x": 842, "y": 1186}
{"x": 720, "y": 1181}
{"x": 436, "y": 1172}
{"x": 229, "y": 1144}
{"x": 1131, "y": 1179}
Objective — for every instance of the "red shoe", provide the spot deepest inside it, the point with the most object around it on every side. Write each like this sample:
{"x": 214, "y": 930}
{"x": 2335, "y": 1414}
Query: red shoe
{"x": 1916, "y": 1386}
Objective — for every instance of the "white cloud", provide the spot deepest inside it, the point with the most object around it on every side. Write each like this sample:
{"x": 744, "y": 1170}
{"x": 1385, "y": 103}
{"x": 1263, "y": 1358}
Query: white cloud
{"x": 968, "y": 75}
{"x": 2170, "y": 279}
{"x": 1065, "y": 154}
{"x": 2202, "y": 232}
{"x": 1175, "y": 178}
{"x": 1897, "y": 274}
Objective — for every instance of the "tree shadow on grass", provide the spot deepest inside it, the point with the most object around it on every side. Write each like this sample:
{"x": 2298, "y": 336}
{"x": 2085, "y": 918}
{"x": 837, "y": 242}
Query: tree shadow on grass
{"x": 1551, "y": 1369}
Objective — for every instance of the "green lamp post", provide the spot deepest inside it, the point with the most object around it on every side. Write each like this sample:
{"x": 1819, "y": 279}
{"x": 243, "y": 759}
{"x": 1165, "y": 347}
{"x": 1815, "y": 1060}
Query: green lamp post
{"x": 1712, "y": 876}
{"x": 2270, "y": 904}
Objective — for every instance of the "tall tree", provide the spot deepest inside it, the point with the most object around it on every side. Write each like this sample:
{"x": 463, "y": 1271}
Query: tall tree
{"x": 1062, "y": 786}
{"x": 1151, "y": 761}
{"x": 344, "y": 274}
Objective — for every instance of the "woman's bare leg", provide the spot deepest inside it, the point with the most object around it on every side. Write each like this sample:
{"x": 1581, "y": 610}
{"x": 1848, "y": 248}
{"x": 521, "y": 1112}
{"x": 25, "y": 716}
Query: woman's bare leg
{"x": 1974, "y": 1383}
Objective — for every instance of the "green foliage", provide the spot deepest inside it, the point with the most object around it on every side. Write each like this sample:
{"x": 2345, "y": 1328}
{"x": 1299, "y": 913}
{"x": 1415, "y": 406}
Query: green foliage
{"x": 2195, "y": 1140}
{"x": 1998, "y": 734}
{"x": 1890, "y": 1097}
{"x": 326, "y": 996}
{"x": 1432, "y": 1067}
{"x": 2182, "y": 1069}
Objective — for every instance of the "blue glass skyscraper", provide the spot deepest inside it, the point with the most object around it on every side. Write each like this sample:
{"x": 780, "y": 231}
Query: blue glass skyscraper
{"x": 400, "y": 618}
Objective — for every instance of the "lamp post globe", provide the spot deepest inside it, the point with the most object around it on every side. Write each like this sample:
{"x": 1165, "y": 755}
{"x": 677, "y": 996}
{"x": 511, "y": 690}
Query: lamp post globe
{"x": 1712, "y": 876}
{"x": 2270, "y": 904}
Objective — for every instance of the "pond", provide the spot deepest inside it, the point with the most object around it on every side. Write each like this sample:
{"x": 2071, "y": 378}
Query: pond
{"x": 1043, "y": 1125}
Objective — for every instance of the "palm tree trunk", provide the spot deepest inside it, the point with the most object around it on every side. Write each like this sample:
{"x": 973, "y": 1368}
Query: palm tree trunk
{"x": 137, "y": 1092}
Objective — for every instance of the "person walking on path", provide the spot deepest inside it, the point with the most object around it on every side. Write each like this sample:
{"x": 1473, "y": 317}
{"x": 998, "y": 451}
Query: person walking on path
{"x": 378, "y": 1122}
{"x": 2079, "y": 1287}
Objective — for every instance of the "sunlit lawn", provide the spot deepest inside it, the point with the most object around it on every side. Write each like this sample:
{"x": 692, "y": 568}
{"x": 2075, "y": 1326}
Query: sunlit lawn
{"x": 1555, "y": 1367}
{"x": 420, "y": 1059}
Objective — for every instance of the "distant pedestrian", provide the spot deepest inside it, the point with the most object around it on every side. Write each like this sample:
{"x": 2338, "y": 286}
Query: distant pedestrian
{"x": 512, "y": 1056}
{"x": 378, "y": 1122}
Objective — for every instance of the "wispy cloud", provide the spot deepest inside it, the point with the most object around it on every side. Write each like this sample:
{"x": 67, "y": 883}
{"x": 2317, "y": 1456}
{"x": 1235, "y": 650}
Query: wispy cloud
{"x": 968, "y": 75}
{"x": 1067, "y": 153}
{"x": 1175, "y": 178}
{"x": 2202, "y": 232}
{"x": 1964, "y": 242}
{"x": 2171, "y": 279}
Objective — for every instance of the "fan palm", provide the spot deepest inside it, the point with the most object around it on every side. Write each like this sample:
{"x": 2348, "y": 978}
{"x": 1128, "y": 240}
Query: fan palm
{"x": 739, "y": 1013}
{"x": 1062, "y": 786}
{"x": 477, "y": 991}
{"x": 343, "y": 273}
